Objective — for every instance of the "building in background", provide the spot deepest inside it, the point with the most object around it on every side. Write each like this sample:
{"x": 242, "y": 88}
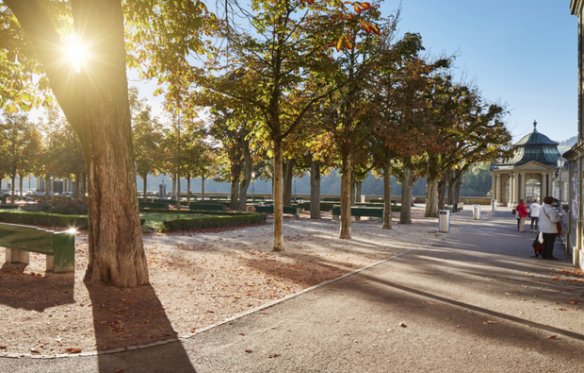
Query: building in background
{"x": 575, "y": 156}
{"x": 532, "y": 173}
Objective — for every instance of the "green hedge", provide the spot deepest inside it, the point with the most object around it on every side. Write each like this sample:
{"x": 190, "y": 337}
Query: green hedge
{"x": 46, "y": 219}
{"x": 213, "y": 222}
{"x": 9, "y": 207}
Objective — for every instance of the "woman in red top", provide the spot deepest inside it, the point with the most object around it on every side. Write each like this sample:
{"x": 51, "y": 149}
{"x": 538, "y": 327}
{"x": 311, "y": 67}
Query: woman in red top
{"x": 522, "y": 212}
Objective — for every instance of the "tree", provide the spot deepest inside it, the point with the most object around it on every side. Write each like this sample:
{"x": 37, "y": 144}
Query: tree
{"x": 14, "y": 131}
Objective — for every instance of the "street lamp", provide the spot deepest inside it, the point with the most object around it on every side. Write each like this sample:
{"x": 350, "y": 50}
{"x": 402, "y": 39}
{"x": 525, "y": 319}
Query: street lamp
{"x": 560, "y": 162}
{"x": 252, "y": 184}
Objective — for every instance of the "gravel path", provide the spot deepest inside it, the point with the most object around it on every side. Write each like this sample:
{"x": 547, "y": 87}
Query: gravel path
{"x": 476, "y": 301}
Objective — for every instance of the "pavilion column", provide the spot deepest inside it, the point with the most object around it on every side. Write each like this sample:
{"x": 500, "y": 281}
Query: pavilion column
{"x": 498, "y": 189}
{"x": 493, "y": 186}
{"x": 543, "y": 185}
{"x": 513, "y": 189}
{"x": 522, "y": 187}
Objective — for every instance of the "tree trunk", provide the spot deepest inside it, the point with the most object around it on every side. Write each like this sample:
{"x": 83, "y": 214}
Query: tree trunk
{"x": 234, "y": 194}
{"x": 84, "y": 185}
{"x": 145, "y": 178}
{"x": 247, "y": 166}
{"x": 173, "y": 193}
{"x": 358, "y": 187}
{"x": 95, "y": 101}
{"x": 188, "y": 190}
{"x": 47, "y": 186}
{"x": 203, "y": 187}
{"x": 314, "y": 190}
{"x": 20, "y": 179}
{"x": 387, "y": 197}
{"x": 13, "y": 178}
{"x": 450, "y": 189}
{"x": 346, "y": 166}
{"x": 457, "y": 186}
{"x": 405, "y": 216}
{"x": 432, "y": 189}
{"x": 353, "y": 185}
{"x": 278, "y": 198}
{"x": 178, "y": 190}
{"x": 288, "y": 176}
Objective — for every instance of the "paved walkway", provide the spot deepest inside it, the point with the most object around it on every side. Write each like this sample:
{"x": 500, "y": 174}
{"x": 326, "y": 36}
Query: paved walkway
{"x": 478, "y": 301}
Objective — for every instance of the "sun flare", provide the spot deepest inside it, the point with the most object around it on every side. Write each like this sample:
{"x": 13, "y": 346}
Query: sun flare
{"x": 76, "y": 54}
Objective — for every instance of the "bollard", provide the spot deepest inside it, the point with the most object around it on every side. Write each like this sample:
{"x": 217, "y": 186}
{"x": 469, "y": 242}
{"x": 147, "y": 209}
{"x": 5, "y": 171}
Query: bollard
{"x": 444, "y": 221}
{"x": 493, "y": 205}
{"x": 477, "y": 212}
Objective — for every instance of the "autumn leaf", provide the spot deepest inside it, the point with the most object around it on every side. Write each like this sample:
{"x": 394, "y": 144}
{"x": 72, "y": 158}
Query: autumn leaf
{"x": 365, "y": 6}
{"x": 73, "y": 350}
{"x": 339, "y": 44}
{"x": 551, "y": 337}
{"x": 119, "y": 370}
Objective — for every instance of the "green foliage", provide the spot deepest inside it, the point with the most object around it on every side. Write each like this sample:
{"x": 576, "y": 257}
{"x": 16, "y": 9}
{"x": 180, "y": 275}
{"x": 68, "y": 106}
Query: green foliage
{"x": 477, "y": 182}
{"x": 59, "y": 205}
{"x": 43, "y": 218}
{"x": 185, "y": 224}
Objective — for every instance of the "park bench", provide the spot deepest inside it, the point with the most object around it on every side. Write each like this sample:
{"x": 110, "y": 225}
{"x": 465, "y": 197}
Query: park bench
{"x": 332, "y": 199}
{"x": 207, "y": 207}
{"x": 257, "y": 198}
{"x": 287, "y": 210}
{"x": 357, "y": 212}
{"x": 456, "y": 207}
{"x": 153, "y": 205}
{"x": 218, "y": 197}
{"x": 460, "y": 206}
{"x": 19, "y": 240}
{"x": 323, "y": 206}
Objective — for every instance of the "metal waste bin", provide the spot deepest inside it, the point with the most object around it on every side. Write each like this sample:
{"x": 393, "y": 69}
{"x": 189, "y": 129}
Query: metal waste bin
{"x": 493, "y": 205}
{"x": 444, "y": 221}
{"x": 477, "y": 212}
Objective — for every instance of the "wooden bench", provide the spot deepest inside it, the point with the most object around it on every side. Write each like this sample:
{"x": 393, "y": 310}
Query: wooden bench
{"x": 460, "y": 206}
{"x": 357, "y": 212}
{"x": 324, "y": 206}
{"x": 19, "y": 240}
{"x": 332, "y": 199}
{"x": 153, "y": 205}
{"x": 218, "y": 197}
{"x": 207, "y": 207}
{"x": 287, "y": 210}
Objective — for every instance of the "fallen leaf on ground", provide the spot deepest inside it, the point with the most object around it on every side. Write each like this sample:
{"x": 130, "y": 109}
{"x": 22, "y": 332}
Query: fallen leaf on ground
{"x": 119, "y": 370}
{"x": 551, "y": 337}
{"x": 73, "y": 350}
{"x": 248, "y": 351}
{"x": 273, "y": 356}
{"x": 402, "y": 325}
{"x": 491, "y": 322}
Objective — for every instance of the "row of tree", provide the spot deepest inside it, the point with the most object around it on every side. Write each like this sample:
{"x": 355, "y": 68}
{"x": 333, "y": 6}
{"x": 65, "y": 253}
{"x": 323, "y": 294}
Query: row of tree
{"x": 307, "y": 84}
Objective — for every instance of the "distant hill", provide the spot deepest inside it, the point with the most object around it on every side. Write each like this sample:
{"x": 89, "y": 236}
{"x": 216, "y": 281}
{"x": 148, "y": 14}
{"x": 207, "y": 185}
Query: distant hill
{"x": 565, "y": 145}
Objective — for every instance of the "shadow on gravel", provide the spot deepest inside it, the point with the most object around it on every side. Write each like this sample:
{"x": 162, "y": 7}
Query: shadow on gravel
{"x": 130, "y": 317}
{"x": 33, "y": 291}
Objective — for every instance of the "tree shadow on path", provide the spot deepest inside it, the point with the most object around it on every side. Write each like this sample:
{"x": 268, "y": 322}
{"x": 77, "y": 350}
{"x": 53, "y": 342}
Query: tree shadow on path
{"x": 129, "y": 317}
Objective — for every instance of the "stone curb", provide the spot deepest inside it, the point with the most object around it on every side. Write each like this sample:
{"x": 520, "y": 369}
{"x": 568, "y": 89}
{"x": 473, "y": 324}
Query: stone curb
{"x": 220, "y": 323}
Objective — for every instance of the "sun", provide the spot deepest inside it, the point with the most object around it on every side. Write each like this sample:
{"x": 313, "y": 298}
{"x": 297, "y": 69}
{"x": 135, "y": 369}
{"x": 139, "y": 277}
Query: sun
{"x": 76, "y": 54}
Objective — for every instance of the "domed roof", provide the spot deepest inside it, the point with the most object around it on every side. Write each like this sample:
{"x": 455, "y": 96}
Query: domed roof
{"x": 535, "y": 138}
{"x": 533, "y": 147}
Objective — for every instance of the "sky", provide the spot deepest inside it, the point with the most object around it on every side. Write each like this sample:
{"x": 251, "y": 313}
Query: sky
{"x": 519, "y": 52}
{"x": 523, "y": 53}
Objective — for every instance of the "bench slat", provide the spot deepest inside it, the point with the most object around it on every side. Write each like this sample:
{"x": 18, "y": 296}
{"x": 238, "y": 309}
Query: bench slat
{"x": 26, "y": 238}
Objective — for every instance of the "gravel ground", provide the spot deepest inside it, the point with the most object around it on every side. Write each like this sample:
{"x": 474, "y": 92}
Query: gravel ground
{"x": 197, "y": 280}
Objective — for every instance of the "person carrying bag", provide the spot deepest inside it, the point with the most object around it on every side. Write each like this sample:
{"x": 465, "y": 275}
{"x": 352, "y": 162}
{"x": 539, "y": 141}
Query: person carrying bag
{"x": 549, "y": 220}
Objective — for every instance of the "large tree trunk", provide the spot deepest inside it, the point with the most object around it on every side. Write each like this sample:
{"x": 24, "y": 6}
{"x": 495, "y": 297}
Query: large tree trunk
{"x": 235, "y": 175}
{"x": 178, "y": 190}
{"x": 20, "y": 179}
{"x": 95, "y": 101}
{"x": 387, "y": 197}
{"x": 188, "y": 190}
{"x": 450, "y": 189}
{"x": 347, "y": 167}
{"x": 247, "y": 166}
{"x": 314, "y": 189}
{"x": 145, "y": 179}
{"x": 202, "y": 187}
{"x": 432, "y": 188}
{"x": 173, "y": 193}
{"x": 84, "y": 185}
{"x": 405, "y": 216}
{"x": 288, "y": 176}
{"x": 278, "y": 198}
{"x": 457, "y": 186}
{"x": 442, "y": 193}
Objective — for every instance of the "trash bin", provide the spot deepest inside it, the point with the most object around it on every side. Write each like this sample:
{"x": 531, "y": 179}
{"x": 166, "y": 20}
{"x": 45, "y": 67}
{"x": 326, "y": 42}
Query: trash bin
{"x": 477, "y": 212}
{"x": 444, "y": 221}
{"x": 493, "y": 205}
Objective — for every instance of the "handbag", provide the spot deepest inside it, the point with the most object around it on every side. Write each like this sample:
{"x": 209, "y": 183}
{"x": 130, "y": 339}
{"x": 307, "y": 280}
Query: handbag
{"x": 558, "y": 225}
{"x": 513, "y": 211}
{"x": 536, "y": 246}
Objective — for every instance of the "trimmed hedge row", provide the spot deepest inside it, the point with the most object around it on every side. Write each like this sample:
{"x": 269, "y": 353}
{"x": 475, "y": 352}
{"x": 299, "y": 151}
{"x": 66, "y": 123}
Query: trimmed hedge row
{"x": 213, "y": 222}
{"x": 46, "y": 219}
{"x": 9, "y": 206}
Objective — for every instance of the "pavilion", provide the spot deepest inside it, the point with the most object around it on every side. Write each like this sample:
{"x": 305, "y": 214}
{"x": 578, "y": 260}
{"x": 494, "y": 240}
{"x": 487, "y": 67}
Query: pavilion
{"x": 531, "y": 173}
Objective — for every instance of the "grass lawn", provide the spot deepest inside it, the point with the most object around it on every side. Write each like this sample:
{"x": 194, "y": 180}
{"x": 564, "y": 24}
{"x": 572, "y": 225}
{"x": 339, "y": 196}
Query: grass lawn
{"x": 154, "y": 219}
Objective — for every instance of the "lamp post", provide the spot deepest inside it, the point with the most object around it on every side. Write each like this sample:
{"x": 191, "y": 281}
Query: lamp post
{"x": 560, "y": 162}
{"x": 252, "y": 185}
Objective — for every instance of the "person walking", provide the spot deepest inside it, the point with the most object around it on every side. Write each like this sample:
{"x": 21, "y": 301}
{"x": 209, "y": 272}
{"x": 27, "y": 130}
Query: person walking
{"x": 522, "y": 214}
{"x": 534, "y": 214}
{"x": 549, "y": 218}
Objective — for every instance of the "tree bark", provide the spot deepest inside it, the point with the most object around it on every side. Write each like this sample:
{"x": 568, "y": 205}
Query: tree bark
{"x": 47, "y": 186}
{"x": 278, "y": 198}
{"x": 13, "y": 178}
{"x": 95, "y": 101}
{"x": 432, "y": 188}
{"x": 247, "y": 166}
{"x": 288, "y": 176}
{"x": 20, "y": 180}
{"x": 353, "y": 185}
{"x": 173, "y": 193}
{"x": 188, "y": 190}
{"x": 145, "y": 178}
{"x": 203, "y": 187}
{"x": 347, "y": 167}
{"x": 234, "y": 194}
{"x": 405, "y": 216}
{"x": 450, "y": 197}
{"x": 387, "y": 197}
{"x": 457, "y": 186}
{"x": 358, "y": 187}
{"x": 442, "y": 193}
{"x": 314, "y": 190}
{"x": 177, "y": 190}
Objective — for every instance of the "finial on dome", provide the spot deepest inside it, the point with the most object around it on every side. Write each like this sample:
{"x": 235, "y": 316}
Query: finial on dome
{"x": 534, "y": 124}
